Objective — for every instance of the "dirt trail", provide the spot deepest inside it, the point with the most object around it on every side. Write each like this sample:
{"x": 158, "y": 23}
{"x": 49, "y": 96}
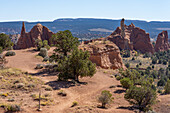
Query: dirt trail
{"x": 24, "y": 59}
{"x": 85, "y": 95}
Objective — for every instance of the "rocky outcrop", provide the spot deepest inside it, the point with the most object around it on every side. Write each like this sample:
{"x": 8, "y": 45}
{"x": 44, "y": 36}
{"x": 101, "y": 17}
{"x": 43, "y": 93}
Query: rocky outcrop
{"x": 133, "y": 38}
{"x": 162, "y": 43}
{"x": 104, "y": 54}
{"x": 27, "y": 40}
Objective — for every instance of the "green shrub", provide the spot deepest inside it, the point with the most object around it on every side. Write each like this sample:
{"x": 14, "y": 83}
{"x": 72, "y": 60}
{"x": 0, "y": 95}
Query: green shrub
{"x": 105, "y": 98}
{"x": 126, "y": 83}
{"x": 119, "y": 77}
{"x": 10, "y": 53}
{"x": 133, "y": 58}
{"x": 43, "y": 52}
{"x": 161, "y": 82}
{"x": 159, "y": 91}
{"x": 42, "y": 44}
{"x": 62, "y": 93}
{"x": 153, "y": 67}
{"x": 127, "y": 65}
{"x": 45, "y": 44}
{"x": 1, "y": 49}
{"x": 137, "y": 66}
{"x": 39, "y": 66}
{"x": 167, "y": 87}
{"x": 164, "y": 62}
{"x": 11, "y": 108}
{"x": 75, "y": 103}
{"x": 154, "y": 60}
{"x": 137, "y": 96}
{"x": 46, "y": 58}
{"x": 140, "y": 63}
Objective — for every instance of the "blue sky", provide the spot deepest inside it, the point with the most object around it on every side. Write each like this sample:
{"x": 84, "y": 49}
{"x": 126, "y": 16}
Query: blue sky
{"x": 49, "y": 10}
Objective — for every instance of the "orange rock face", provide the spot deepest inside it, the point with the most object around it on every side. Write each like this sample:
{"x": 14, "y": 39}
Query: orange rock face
{"x": 162, "y": 43}
{"x": 105, "y": 55}
{"x": 134, "y": 39}
{"x": 27, "y": 40}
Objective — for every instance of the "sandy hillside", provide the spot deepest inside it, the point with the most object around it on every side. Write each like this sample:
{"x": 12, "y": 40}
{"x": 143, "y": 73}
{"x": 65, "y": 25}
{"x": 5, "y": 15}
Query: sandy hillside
{"x": 85, "y": 94}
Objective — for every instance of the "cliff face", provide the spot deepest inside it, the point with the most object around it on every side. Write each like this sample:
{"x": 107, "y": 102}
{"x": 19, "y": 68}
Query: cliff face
{"x": 104, "y": 54}
{"x": 162, "y": 43}
{"x": 27, "y": 40}
{"x": 134, "y": 38}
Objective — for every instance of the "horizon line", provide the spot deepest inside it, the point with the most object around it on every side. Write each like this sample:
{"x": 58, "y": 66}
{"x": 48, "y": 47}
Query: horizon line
{"x": 83, "y": 18}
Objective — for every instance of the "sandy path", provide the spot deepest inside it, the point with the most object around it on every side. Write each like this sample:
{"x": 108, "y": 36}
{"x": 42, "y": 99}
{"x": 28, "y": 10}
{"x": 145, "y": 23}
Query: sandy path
{"x": 83, "y": 94}
{"x": 24, "y": 60}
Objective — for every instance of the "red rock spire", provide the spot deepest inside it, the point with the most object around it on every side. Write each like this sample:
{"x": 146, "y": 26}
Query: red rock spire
{"x": 23, "y": 29}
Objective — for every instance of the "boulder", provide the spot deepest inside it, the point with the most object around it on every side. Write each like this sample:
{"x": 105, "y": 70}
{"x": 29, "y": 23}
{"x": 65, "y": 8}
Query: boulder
{"x": 133, "y": 38}
{"x": 27, "y": 40}
{"x": 105, "y": 55}
{"x": 162, "y": 43}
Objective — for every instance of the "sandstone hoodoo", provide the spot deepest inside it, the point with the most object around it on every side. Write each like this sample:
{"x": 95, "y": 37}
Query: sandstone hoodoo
{"x": 131, "y": 38}
{"x": 27, "y": 40}
{"x": 162, "y": 43}
{"x": 104, "y": 54}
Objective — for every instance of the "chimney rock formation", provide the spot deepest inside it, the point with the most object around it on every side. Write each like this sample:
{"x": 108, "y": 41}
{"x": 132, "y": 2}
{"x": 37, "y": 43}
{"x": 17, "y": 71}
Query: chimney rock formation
{"x": 27, "y": 40}
{"x": 162, "y": 43}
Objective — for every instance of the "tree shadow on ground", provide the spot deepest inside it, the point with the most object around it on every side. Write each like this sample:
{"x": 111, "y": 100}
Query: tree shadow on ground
{"x": 32, "y": 50}
{"x": 56, "y": 85}
{"x": 128, "y": 108}
{"x": 119, "y": 91}
{"x": 45, "y": 72}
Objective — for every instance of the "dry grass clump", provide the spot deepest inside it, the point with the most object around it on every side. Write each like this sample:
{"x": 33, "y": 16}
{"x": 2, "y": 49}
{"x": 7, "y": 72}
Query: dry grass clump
{"x": 45, "y": 99}
{"x": 12, "y": 78}
{"x": 9, "y": 108}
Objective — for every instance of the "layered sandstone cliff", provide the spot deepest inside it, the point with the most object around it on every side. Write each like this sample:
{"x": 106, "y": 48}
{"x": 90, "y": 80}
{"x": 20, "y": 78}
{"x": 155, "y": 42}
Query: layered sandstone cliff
{"x": 27, "y": 40}
{"x": 162, "y": 43}
{"x": 104, "y": 54}
{"x": 131, "y": 38}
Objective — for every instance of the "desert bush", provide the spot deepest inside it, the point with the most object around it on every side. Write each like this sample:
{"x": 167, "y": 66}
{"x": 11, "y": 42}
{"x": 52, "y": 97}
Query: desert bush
{"x": 164, "y": 62}
{"x": 159, "y": 91}
{"x": 48, "y": 89}
{"x": 75, "y": 103}
{"x": 167, "y": 87}
{"x": 127, "y": 65}
{"x": 140, "y": 63}
{"x": 154, "y": 60}
{"x": 62, "y": 93}
{"x": 137, "y": 66}
{"x": 125, "y": 53}
{"x": 65, "y": 42}
{"x": 11, "y": 107}
{"x": 10, "y": 53}
{"x": 39, "y": 66}
{"x": 46, "y": 58}
{"x": 5, "y": 42}
{"x": 105, "y": 98}
{"x": 143, "y": 97}
{"x": 119, "y": 77}
{"x": 43, "y": 52}
{"x": 76, "y": 65}
{"x": 161, "y": 82}
{"x": 126, "y": 83}
{"x": 1, "y": 49}
{"x": 133, "y": 58}
{"x": 42, "y": 44}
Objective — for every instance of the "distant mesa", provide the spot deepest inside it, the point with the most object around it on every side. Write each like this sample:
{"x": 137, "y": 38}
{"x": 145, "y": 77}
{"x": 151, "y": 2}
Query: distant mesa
{"x": 27, "y": 40}
{"x": 162, "y": 43}
{"x": 131, "y": 38}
